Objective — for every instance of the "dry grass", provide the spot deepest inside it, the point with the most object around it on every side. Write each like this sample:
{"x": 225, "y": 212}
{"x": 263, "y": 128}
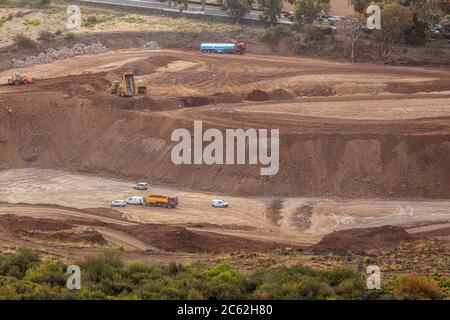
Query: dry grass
{"x": 24, "y": 20}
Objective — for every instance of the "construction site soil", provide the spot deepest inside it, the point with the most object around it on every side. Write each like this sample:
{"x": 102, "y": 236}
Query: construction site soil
{"x": 377, "y": 136}
{"x": 362, "y": 241}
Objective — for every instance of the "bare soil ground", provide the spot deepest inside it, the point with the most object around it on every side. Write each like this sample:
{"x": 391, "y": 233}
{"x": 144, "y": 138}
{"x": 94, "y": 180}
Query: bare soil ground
{"x": 361, "y": 146}
{"x": 247, "y": 225}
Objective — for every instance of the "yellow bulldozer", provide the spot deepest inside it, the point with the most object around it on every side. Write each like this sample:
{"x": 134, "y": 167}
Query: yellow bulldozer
{"x": 126, "y": 87}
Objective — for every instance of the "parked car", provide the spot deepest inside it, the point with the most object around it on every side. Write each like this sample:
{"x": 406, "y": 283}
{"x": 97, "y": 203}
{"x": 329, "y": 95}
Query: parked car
{"x": 334, "y": 19}
{"x": 118, "y": 203}
{"x": 135, "y": 200}
{"x": 141, "y": 186}
{"x": 219, "y": 203}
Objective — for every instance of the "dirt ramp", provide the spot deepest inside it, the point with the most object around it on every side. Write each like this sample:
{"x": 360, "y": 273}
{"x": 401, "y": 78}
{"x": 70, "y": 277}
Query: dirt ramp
{"x": 362, "y": 241}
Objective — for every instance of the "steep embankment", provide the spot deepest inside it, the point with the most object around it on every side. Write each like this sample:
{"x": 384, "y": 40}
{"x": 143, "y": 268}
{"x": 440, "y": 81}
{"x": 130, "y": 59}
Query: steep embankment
{"x": 356, "y": 160}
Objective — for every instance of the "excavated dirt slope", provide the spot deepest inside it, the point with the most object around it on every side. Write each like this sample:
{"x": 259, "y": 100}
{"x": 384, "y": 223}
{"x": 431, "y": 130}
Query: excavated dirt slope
{"x": 349, "y": 131}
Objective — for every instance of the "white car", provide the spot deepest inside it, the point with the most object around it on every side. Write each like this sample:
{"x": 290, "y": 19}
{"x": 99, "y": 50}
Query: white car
{"x": 334, "y": 19}
{"x": 135, "y": 200}
{"x": 219, "y": 203}
{"x": 118, "y": 203}
{"x": 141, "y": 186}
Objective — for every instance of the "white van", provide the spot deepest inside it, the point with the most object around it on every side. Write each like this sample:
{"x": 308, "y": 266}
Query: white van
{"x": 219, "y": 203}
{"x": 141, "y": 186}
{"x": 135, "y": 200}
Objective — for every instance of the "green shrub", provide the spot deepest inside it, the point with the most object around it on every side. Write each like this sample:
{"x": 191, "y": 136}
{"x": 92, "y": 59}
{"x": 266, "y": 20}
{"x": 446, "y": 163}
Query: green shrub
{"x": 6, "y": 18}
{"x": 50, "y": 273}
{"x": 102, "y": 267}
{"x": 44, "y": 3}
{"x": 351, "y": 288}
{"x": 70, "y": 36}
{"x": 337, "y": 275}
{"x": 52, "y": 10}
{"x": 274, "y": 34}
{"x": 417, "y": 287}
{"x": 24, "y": 42}
{"x": 91, "y": 20}
{"x": 313, "y": 288}
{"x": 316, "y": 33}
{"x": 32, "y": 22}
{"x": 45, "y": 35}
{"x": 224, "y": 282}
{"x": 17, "y": 264}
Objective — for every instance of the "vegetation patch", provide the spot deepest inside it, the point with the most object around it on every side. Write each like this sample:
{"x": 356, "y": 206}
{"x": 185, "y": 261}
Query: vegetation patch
{"x": 25, "y": 275}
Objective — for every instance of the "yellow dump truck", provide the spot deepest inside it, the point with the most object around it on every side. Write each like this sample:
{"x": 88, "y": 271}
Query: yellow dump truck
{"x": 161, "y": 201}
{"x": 125, "y": 87}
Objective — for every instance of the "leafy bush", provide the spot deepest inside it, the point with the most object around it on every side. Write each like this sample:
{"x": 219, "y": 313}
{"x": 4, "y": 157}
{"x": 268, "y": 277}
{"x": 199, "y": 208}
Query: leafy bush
{"x": 417, "y": 287}
{"x": 351, "y": 288}
{"x": 45, "y": 35}
{"x": 44, "y": 3}
{"x": 338, "y": 275}
{"x": 32, "y": 22}
{"x": 70, "y": 36}
{"x": 17, "y": 264}
{"x": 91, "y": 20}
{"x": 24, "y": 42}
{"x": 274, "y": 34}
{"x": 316, "y": 33}
{"x": 102, "y": 267}
{"x": 50, "y": 272}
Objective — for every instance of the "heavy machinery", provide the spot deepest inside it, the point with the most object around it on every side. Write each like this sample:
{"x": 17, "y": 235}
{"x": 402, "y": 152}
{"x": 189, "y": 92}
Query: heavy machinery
{"x": 141, "y": 87}
{"x": 238, "y": 47}
{"x": 18, "y": 79}
{"x": 125, "y": 87}
{"x": 161, "y": 201}
{"x": 115, "y": 87}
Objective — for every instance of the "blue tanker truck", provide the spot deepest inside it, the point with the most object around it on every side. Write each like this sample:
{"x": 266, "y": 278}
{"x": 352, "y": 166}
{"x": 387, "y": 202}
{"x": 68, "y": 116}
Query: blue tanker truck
{"x": 238, "y": 47}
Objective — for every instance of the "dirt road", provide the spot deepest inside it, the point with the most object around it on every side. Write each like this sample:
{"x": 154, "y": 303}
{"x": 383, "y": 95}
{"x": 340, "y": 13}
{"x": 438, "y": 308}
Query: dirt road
{"x": 246, "y": 217}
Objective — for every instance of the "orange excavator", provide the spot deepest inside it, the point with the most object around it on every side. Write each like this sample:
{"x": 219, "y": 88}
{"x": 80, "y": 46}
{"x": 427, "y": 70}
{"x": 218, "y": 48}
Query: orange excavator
{"x": 18, "y": 79}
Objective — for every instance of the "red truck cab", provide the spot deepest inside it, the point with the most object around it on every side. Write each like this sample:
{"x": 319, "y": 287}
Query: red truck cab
{"x": 240, "y": 47}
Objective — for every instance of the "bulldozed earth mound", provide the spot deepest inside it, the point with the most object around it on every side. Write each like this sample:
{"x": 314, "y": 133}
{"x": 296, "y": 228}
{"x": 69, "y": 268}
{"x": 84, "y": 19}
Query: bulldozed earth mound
{"x": 25, "y": 228}
{"x": 179, "y": 239}
{"x": 361, "y": 241}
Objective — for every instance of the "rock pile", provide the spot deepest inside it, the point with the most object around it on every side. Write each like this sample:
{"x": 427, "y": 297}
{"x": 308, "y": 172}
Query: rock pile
{"x": 151, "y": 45}
{"x": 51, "y": 55}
